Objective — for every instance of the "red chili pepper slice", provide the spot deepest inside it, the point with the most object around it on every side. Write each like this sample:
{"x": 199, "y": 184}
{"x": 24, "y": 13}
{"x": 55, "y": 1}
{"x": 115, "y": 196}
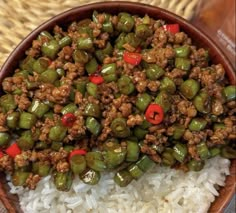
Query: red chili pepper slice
{"x": 13, "y": 150}
{"x": 68, "y": 119}
{"x": 132, "y": 58}
{"x": 172, "y": 28}
{"x": 1, "y": 154}
{"x": 77, "y": 152}
{"x": 96, "y": 79}
{"x": 154, "y": 114}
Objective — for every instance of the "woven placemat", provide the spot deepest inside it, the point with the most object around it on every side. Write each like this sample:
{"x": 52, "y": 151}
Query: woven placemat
{"x": 19, "y": 17}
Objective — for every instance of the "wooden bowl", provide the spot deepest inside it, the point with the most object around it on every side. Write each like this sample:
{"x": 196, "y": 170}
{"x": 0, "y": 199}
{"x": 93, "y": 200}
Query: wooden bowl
{"x": 78, "y": 13}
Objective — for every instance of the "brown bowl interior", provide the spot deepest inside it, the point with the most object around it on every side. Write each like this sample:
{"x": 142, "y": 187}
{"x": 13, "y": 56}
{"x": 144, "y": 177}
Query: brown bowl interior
{"x": 199, "y": 38}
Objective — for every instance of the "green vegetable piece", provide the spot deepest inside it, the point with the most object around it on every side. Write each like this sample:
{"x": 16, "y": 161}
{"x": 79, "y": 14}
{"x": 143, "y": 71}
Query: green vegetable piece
{"x": 27, "y": 64}
{"x": 19, "y": 178}
{"x": 145, "y": 125}
{"x": 230, "y": 92}
{"x": 41, "y": 64}
{"x": 203, "y": 151}
{"x": 180, "y": 152}
{"x": 92, "y": 66}
{"x": 183, "y": 63}
{"x": 90, "y": 176}
{"x": 60, "y": 72}
{"x": 109, "y": 72}
{"x": 132, "y": 40}
{"x": 93, "y": 126}
{"x": 27, "y": 120}
{"x": 80, "y": 56}
{"x": 12, "y": 120}
{"x": 154, "y": 72}
{"x": 163, "y": 99}
{"x": 57, "y": 133}
{"x": 214, "y": 151}
{"x": 92, "y": 89}
{"x": 120, "y": 128}
{"x": 202, "y": 102}
{"x": 38, "y": 108}
{"x": 41, "y": 168}
{"x": 95, "y": 161}
{"x": 56, "y": 145}
{"x": 143, "y": 31}
{"x": 145, "y": 163}
{"x": 84, "y": 43}
{"x": 228, "y": 152}
{"x": 168, "y": 158}
{"x": 135, "y": 171}
{"x": 40, "y": 145}
{"x": 113, "y": 157}
{"x": 102, "y": 53}
{"x": 125, "y": 85}
{"x": 77, "y": 164}
{"x": 107, "y": 25}
{"x": 22, "y": 73}
{"x": 49, "y": 76}
{"x": 120, "y": 41}
{"x": 69, "y": 108}
{"x": 133, "y": 151}
{"x": 123, "y": 178}
{"x": 26, "y": 142}
{"x": 4, "y": 139}
{"x": 168, "y": 85}
{"x": 182, "y": 51}
{"x": 92, "y": 110}
{"x": 68, "y": 148}
{"x": 125, "y": 22}
{"x": 81, "y": 86}
{"x": 195, "y": 165}
{"x": 179, "y": 130}
{"x": 140, "y": 133}
{"x": 65, "y": 41}
{"x": 197, "y": 124}
{"x": 142, "y": 102}
{"x": 189, "y": 88}
{"x": 63, "y": 181}
{"x": 45, "y": 34}
{"x": 218, "y": 126}
{"x": 50, "y": 49}
{"x": 7, "y": 102}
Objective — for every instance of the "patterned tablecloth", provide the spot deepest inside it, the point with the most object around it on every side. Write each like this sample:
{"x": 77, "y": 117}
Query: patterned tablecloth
{"x": 18, "y": 18}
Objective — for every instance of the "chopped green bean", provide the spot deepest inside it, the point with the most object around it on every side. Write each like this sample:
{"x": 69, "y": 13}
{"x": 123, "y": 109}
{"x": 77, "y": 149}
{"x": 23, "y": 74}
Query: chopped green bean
{"x": 27, "y": 120}
{"x": 123, "y": 178}
{"x": 180, "y": 152}
{"x": 189, "y": 88}
{"x": 90, "y": 176}
{"x": 93, "y": 126}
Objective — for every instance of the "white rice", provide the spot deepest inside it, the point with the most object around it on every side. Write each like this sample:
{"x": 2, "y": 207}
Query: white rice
{"x": 160, "y": 190}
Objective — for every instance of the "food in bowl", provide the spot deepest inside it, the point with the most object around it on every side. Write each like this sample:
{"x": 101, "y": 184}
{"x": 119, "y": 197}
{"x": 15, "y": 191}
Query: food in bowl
{"x": 114, "y": 93}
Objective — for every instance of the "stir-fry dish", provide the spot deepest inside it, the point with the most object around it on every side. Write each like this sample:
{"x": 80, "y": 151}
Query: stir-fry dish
{"x": 114, "y": 93}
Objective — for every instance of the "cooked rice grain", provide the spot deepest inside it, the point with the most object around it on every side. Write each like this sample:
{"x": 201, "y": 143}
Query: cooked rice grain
{"x": 162, "y": 190}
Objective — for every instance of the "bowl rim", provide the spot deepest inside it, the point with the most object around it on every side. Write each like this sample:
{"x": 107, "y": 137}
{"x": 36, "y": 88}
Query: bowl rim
{"x": 17, "y": 54}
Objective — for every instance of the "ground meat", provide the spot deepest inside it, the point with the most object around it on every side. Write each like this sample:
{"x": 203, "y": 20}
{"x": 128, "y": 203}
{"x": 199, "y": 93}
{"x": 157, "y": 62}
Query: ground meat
{"x": 134, "y": 120}
{"x": 57, "y": 108}
{"x": 192, "y": 150}
{"x": 217, "y": 108}
{"x": 140, "y": 81}
{"x": 128, "y": 47}
{"x": 6, "y": 164}
{"x": 61, "y": 94}
{"x": 180, "y": 38}
{"x": 77, "y": 130}
{"x": 186, "y": 108}
{"x": 105, "y": 132}
{"x": 65, "y": 53}
{"x": 22, "y": 101}
{"x": 45, "y": 128}
{"x": 32, "y": 180}
{"x": 22, "y": 159}
{"x": 153, "y": 86}
{"x": 3, "y": 118}
{"x": 176, "y": 73}
{"x": 44, "y": 92}
{"x": 56, "y": 157}
{"x": 126, "y": 109}
{"x": 160, "y": 38}
{"x": 62, "y": 166}
{"x": 194, "y": 137}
